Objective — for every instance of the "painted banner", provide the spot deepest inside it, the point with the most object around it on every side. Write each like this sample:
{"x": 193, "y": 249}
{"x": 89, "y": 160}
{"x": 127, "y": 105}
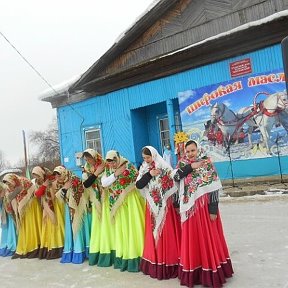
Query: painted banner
{"x": 243, "y": 118}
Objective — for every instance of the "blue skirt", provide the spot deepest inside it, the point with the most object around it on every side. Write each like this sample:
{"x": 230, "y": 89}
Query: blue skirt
{"x": 76, "y": 249}
{"x": 8, "y": 237}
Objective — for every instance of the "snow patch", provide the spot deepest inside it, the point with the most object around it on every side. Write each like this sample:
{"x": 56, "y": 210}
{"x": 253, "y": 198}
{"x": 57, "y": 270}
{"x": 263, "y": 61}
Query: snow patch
{"x": 59, "y": 88}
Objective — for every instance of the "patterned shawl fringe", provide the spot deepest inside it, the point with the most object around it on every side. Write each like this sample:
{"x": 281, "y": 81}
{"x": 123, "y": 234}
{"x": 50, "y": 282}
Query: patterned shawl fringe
{"x": 3, "y": 217}
{"x": 161, "y": 215}
{"x": 90, "y": 194}
{"x": 120, "y": 201}
{"x": 26, "y": 201}
{"x": 214, "y": 186}
{"x": 157, "y": 232}
{"x": 199, "y": 203}
{"x": 79, "y": 211}
{"x": 15, "y": 214}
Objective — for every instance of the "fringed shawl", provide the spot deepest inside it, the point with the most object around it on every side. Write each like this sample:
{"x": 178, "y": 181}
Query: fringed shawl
{"x": 198, "y": 183}
{"x": 124, "y": 184}
{"x": 47, "y": 200}
{"x": 158, "y": 190}
{"x": 75, "y": 197}
{"x": 23, "y": 199}
{"x": 94, "y": 192}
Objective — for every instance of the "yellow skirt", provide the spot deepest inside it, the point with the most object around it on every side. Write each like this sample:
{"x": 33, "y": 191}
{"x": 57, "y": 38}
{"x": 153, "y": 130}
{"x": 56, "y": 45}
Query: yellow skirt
{"x": 29, "y": 231}
{"x": 52, "y": 235}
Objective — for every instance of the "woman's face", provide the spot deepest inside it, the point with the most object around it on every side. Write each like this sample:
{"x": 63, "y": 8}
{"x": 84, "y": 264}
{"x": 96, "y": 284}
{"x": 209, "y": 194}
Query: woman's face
{"x": 38, "y": 178}
{"x": 90, "y": 160}
{"x": 112, "y": 163}
{"x": 147, "y": 158}
{"x": 58, "y": 177}
{"x": 10, "y": 186}
{"x": 191, "y": 151}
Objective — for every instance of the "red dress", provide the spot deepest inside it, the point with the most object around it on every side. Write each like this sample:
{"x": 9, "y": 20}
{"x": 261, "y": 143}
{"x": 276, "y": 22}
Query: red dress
{"x": 161, "y": 260}
{"x": 204, "y": 256}
{"x": 160, "y": 257}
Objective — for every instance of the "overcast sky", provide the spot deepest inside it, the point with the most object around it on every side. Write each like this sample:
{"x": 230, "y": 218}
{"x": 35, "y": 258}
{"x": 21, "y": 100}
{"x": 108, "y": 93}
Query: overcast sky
{"x": 61, "y": 39}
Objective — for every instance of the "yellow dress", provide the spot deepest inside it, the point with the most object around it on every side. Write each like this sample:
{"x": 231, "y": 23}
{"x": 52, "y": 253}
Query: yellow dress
{"x": 29, "y": 231}
{"x": 52, "y": 235}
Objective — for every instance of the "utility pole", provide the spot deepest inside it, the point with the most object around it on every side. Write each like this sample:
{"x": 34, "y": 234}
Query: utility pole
{"x": 25, "y": 155}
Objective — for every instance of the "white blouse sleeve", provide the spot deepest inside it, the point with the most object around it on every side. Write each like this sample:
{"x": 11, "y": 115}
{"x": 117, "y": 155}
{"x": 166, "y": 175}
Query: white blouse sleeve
{"x": 107, "y": 181}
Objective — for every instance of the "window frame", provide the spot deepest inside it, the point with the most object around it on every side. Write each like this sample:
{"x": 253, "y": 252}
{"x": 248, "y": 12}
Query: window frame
{"x": 86, "y": 141}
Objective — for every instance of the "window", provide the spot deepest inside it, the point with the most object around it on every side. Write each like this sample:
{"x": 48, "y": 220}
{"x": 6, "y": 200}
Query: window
{"x": 93, "y": 139}
{"x": 165, "y": 132}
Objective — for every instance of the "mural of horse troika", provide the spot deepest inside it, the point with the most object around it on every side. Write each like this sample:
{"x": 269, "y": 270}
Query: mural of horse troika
{"x": 272, "y": 111}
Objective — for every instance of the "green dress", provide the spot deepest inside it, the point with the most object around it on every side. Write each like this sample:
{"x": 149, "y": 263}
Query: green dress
{"x": 102, "y": 248}
{"x": 126, "y": 208}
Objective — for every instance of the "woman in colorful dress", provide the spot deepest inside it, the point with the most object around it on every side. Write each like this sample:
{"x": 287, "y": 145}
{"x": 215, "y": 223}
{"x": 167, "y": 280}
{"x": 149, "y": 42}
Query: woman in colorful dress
{"x": 28, "y": 216}
{"x": 162, "y": 224}
{"x": 204, "y": 257}
{"x": 126, "y": 211}
{"x": 52, "y": 234}
{"x": 102, "y": 248}
{"x": 77, "y": 230}
{"x": 8, "y": 225}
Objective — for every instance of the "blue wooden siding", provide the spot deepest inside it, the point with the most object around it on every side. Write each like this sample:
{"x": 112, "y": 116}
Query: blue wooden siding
{"x": 140, "y": 133}
{"x": 128, "y": 117}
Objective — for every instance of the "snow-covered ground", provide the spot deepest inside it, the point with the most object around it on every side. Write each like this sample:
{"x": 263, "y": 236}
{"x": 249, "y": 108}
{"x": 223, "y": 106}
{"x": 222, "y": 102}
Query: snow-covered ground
{"x": 256, "y": 231}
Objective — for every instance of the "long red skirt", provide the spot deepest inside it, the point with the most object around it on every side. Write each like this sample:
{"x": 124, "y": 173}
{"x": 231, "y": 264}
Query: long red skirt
{"x": 204, "y": 257}
{"x": 161, "y": 261}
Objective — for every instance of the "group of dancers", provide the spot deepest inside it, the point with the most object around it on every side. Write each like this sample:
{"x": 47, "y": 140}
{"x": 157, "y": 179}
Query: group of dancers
{"x": 162, "y": 221}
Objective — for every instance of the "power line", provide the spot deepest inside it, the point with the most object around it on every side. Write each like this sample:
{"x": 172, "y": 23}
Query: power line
{"x": 31, "y": 66}
{"x": 39, "y": 74}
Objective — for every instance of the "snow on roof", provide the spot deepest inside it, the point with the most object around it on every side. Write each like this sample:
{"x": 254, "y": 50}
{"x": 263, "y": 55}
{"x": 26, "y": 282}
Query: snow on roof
{"x": 64, "y": 86}
{"x": 152, "y": 5}
{"x": 232, "y": 31}
{"x": 59, "y": 88}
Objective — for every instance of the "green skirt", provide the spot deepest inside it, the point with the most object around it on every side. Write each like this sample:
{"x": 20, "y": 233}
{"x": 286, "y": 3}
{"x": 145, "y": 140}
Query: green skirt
{"x": 102, "y": 243}
{"x": 119, "y": 243}
{"x": 129, "y": 232}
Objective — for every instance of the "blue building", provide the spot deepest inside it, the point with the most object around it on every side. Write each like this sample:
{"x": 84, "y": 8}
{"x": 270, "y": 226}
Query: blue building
{"x": 129, "y": 97}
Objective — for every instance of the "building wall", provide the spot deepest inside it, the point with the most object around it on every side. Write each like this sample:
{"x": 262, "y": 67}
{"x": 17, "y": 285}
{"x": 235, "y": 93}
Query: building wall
{"x": 128, "y": 117}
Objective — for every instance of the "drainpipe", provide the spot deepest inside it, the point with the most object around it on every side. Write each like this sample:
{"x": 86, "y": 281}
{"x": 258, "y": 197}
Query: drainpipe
{"x": 172, "y": 128}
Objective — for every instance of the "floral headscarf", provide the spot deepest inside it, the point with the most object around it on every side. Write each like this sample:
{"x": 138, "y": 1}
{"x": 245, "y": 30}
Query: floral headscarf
{"x": 42, "y": 172}
{"x": 158, "y": 190}
{"x": 12, "y": 179}
{"x": 198, "y": 183}
{"x": 114, "y": 155}
{"x": 96, "y": 156}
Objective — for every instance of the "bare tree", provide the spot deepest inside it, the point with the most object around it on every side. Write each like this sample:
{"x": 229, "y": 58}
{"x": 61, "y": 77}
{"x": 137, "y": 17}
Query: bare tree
{"x": 47, "y": 143}
{"x": 2, "y": 161}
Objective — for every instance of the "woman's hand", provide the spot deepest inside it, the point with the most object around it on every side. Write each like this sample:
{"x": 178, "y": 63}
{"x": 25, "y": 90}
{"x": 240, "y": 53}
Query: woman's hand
{"x": 67, "y": 185}
{"x": 120, "y": 170}
{"x": 213, "y": 217}
{"x": 99, "y": 169}
{"x": 155, "y": 172}
{"x": 46, "y": 182}
{"x": 196, "y": 165}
